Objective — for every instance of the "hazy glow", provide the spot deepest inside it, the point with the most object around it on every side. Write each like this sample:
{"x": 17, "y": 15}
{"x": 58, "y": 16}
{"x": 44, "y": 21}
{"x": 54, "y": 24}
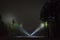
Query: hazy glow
{"x": 40, "y": 27}
{"x": 20, "y": 27}
{"x": 46, "y": 24}
{"x": 24, "y": 31}
{"x": 7, "y": 18}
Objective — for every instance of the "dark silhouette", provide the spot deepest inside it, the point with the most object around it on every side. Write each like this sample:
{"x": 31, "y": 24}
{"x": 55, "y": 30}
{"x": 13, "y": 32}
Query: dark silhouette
{"x": 44, "y": 17}
{"x": 3, "y": 28}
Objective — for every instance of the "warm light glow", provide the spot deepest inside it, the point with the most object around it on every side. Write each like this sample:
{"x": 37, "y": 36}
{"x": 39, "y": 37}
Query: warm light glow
{"x": 46, "y": 24}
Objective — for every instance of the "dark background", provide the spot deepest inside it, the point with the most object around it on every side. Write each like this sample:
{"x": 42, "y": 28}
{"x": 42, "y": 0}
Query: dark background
{"x": 31, "y": 10}
{"x": 26, "y": 12}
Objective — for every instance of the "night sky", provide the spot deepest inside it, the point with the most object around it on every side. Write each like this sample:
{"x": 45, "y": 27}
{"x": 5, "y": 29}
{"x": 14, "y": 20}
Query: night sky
{"x": 26, "y": 12}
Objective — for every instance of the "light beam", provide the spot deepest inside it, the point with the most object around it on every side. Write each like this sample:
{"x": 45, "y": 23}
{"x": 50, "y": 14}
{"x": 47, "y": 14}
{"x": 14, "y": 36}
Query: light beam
{"x": 40, "y": 27}
{"x": 24, "y": 31}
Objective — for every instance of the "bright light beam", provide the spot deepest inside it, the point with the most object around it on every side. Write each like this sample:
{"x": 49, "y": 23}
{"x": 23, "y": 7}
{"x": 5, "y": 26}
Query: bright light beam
{"x": 21, "y": 28}
{"x": 40, "y": 27}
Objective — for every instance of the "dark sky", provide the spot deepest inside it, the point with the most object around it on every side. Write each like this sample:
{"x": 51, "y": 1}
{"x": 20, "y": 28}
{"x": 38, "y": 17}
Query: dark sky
{"x": 24, "y": 11}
